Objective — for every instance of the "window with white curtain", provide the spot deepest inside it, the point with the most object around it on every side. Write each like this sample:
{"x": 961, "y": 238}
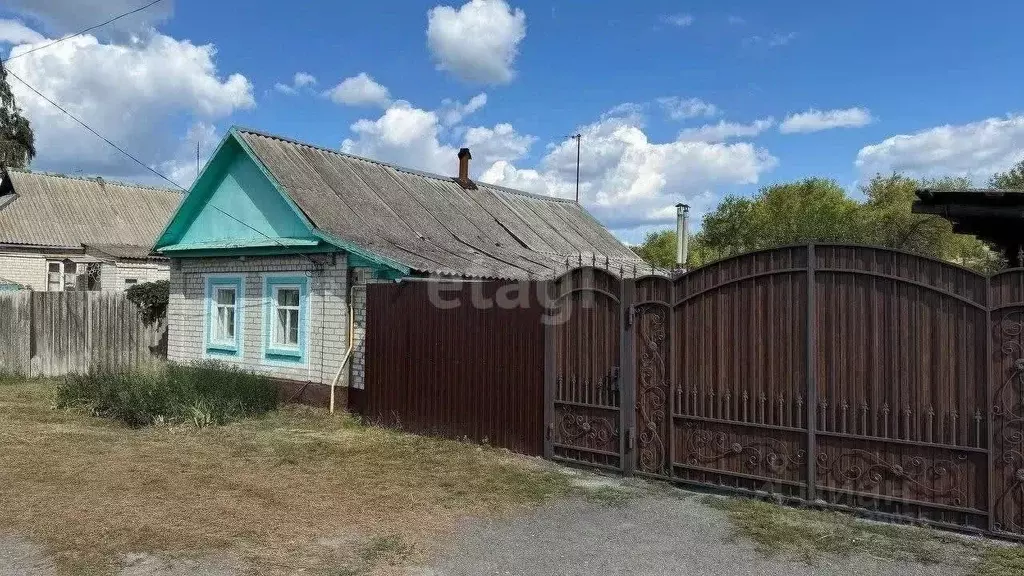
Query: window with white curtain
{"x": 286, "y": 316}
{"x": 225, "y": 308}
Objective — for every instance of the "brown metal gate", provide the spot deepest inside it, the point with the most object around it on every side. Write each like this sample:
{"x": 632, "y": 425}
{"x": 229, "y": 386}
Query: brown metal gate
{"x": 583, "y": 374}
{"x": 853, "y": 377}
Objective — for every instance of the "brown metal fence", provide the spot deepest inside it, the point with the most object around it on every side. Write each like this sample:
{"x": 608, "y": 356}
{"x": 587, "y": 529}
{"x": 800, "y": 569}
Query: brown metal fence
{"x": 436, "y": 363}
{"x": 852, "y": 377}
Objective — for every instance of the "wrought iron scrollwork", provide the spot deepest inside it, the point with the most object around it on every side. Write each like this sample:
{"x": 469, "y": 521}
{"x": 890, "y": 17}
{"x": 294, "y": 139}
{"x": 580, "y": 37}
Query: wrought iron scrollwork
{"x": 764, "y": 457}
{"x": 1008, "y": 419}
{"x": 581, "y": 427}
{"x": 862, "y": 470}
{"x": 652, "y": 393}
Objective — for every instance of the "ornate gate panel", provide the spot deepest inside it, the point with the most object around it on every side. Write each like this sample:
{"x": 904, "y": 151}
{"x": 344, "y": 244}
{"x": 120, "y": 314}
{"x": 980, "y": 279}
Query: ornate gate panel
{"x": 652, "y": 349}
{"x": 1007, "y": 396}
{"x": 585, "y": 391}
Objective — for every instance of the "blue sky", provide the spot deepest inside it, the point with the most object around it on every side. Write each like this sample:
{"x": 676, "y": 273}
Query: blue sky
{"x": 676, "y": 100}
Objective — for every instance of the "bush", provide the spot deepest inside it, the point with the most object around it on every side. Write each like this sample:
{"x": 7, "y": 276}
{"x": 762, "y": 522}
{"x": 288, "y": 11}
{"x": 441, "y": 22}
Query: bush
{"x": 201, "y": 394}
{"x": 151, "y": 298}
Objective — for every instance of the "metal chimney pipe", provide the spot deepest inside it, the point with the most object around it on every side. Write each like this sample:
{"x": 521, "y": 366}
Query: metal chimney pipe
{"x": 682, "y": 241}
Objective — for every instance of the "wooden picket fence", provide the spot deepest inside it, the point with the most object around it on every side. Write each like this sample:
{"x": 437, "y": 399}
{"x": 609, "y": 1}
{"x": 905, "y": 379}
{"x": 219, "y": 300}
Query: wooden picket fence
{"x": 57, "y": 333}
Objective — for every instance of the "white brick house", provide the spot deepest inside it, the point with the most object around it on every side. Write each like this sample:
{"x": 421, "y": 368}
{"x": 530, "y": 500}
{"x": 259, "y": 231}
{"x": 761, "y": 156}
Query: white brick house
{"x": 273, "y": 247}
{"x": 60, "y": 233}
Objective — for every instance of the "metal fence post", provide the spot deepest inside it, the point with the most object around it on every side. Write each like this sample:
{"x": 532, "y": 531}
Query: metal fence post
{"x": 549, "y": 365}
{"x": 627, "y": 378}
{"x": 812, "y": 386}
{"x": 990, "y": 401}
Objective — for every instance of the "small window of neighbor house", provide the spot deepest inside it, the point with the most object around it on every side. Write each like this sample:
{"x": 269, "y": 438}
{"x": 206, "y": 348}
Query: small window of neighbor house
{"x": 54, "y": 276}
{"x": 129, "y": 282}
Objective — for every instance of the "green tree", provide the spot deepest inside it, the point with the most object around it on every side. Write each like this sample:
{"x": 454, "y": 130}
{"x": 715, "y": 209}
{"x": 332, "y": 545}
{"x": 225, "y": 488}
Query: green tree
{"x": 890, "y": 222}
{"x": 1012, "y": 179}
{"x": 17, "y": 142}
{"x": 819, "y": 210}
{"x": 659, "y": 248}
{"x": 812, "y": 210}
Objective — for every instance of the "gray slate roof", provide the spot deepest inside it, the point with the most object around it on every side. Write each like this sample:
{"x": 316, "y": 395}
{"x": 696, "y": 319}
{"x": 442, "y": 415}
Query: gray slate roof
{"x": 432, "y": 224}
{"x": 60, "y": 211}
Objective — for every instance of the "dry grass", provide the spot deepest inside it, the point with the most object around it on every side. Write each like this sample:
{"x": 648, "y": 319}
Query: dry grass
{"x": 296, "y": 489}
{"x": 810, "y": 534}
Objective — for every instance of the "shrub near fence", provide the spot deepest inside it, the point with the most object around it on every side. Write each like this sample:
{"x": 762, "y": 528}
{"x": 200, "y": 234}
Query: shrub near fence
{"x": 57, "y": 333}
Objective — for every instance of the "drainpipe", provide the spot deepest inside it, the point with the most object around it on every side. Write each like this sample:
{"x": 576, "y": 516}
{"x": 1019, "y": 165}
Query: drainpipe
{"x": 348, "y": 353}
{"x": 682, "y": 241}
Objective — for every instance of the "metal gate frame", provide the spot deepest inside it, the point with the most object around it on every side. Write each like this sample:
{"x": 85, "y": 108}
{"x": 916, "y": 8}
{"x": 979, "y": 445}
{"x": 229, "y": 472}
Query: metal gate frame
{"x": 644, "y": 422}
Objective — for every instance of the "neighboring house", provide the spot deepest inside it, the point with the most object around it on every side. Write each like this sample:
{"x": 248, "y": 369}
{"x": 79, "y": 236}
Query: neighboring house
{"x": 276, "y": 241}
{"x": 60, "y": 233}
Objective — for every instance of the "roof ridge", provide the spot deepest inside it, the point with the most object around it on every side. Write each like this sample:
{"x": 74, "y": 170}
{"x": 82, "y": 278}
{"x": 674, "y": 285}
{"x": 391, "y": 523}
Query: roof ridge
{"x": 405, "y": 169}
{"x": 92, "y": 179}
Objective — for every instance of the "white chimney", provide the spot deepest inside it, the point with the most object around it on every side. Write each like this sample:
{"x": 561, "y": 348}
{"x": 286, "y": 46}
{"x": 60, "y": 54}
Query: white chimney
{"x": 682, "y": 242}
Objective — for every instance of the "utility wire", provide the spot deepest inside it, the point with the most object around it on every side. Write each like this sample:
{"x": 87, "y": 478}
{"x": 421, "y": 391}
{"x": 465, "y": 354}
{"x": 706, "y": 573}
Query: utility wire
{"x": 89, "y": 29}
{"x": 144, "y": 165}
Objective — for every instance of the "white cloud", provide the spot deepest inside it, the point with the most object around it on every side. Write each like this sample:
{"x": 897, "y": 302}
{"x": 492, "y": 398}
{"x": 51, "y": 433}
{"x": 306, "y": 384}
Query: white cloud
{"x": 303, "y": 79}
{"x": 817, "y": 120}
{"x": 499, "y": 144}
{"x": 452, "y": 111}
{"x": 680, "y": 20}
{"x": 781, "y": 39}
{"x": 726, "y": 130}
{"x": 412, "y": 137}
{"x": 682, "y": 108}
{"x": 976, "y": 150}
{"x": 62, "y": 17}
{"x": 138, "y": 95}
{"x": 183, "y": 168}
{"x": 360, "y": 90}
{"x": 299, "y": 81}
{"x": 477, "y": 42}
{"x": 773, "y": 41}
{"x": 736, "y": 20}
{"x": 14, "y": 32}
{"x": 628, "y": 181}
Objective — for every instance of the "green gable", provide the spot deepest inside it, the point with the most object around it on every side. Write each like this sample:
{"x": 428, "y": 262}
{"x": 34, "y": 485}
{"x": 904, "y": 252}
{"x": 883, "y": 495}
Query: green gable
{"x": 236, "y": 208}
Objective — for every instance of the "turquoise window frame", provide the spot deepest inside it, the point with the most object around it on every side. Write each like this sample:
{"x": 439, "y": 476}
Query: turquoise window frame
{"x": 289, "y": 355}
{"x": 217, "y": 348}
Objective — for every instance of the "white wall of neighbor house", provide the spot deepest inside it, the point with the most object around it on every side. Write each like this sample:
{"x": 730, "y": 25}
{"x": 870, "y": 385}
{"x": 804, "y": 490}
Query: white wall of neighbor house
{"x": 118, "y": 276}
{"x": 326, "y": 321}
{"x": 25, "y": 269}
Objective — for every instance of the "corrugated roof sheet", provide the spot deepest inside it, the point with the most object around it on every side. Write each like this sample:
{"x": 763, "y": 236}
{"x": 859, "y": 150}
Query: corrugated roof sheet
{"x": 432, "y": 224}
{"x": 52, "y": 210}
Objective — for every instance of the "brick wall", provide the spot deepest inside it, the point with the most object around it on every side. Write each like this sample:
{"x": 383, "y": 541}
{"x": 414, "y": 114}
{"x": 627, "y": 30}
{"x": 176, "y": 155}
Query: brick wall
{"x": 25, "y": 269}
{"x": 362, "y": 278}
{"x": 113, "y": 275}
{"x": 328, "y": 311}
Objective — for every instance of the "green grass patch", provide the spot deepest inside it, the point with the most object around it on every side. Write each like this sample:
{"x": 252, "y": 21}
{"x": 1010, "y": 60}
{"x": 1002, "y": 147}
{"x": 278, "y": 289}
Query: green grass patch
{"x": 201, "y": 394}
{"x": 808, "y": 535}
{"x": 1001, "y": 561}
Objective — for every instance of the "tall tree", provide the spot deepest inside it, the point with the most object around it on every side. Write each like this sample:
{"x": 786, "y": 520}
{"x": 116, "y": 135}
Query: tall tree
{"x": 811, "y": 210}
{"x": 819, "y": 210}
{"x": 17, "y": 142}
{"x": 1012, "y": 179}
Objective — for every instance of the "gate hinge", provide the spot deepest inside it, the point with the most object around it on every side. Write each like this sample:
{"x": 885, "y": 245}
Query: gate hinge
{"x": 630, "y": 439}
{"x": 630, "y": 312}
{"x": 551, "y": 430}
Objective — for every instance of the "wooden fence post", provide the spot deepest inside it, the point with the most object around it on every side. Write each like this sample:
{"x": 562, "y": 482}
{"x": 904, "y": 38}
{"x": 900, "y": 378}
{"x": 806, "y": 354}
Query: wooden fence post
{"x": 812, "y": 385}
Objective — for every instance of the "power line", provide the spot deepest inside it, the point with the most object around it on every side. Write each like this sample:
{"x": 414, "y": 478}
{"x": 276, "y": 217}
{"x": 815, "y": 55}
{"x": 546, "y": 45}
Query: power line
{"x": 89, "y": 29}
{"x": 144, "y": 165}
